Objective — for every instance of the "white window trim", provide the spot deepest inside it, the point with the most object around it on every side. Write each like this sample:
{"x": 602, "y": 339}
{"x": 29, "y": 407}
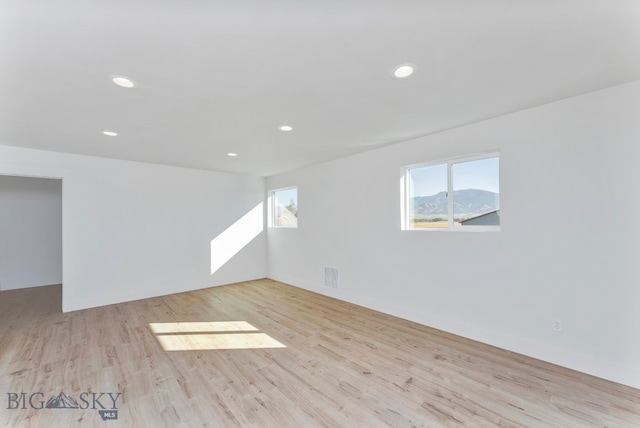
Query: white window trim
{"x": 271, "y": 214}
{"x": 405, "y": 191}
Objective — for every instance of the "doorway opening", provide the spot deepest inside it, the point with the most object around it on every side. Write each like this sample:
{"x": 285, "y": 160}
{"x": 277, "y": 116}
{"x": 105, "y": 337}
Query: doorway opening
{"x": 31, "y": 230}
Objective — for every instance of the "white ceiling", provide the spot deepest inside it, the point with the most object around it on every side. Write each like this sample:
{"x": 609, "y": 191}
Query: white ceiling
{"x": 218, "y": 76}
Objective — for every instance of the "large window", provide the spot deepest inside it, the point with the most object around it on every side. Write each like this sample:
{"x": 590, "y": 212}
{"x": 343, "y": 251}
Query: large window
{"x": 461, "y": 194}
{"x": 284, "y": 207}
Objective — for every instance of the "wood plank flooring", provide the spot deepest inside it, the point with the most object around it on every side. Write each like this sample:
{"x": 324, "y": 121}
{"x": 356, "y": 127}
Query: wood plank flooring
{"x": 337, "y": 365}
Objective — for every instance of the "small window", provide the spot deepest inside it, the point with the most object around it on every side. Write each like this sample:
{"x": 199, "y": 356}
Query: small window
{"x": 284, "y": 207}
{"x": 462, "y": 194}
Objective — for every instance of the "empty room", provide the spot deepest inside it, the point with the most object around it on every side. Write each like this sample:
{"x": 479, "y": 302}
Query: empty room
{"x": 319, "y": 214}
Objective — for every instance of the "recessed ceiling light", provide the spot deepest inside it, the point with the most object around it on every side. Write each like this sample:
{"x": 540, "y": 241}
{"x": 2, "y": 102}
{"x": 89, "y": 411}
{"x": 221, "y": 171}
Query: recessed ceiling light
{"x": 125, "y": 82}
{"x": 285, "y": 128}
{"x": 110, "y": 133}
{"x": 404, "y": 70}
{"x": 232, "y": 155}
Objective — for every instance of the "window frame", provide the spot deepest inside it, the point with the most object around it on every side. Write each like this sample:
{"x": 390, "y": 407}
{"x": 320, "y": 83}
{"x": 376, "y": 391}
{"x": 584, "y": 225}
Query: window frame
{"x": 449, "y": 162}
{"x": 272, "y": 208}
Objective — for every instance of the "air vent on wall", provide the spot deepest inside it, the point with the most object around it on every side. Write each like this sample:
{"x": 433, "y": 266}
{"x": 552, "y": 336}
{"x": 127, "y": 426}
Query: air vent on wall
{"x": 331, "y": 277}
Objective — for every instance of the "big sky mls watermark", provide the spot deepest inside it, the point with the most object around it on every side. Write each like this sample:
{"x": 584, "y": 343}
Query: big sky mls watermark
{"x": 106, "y": 403}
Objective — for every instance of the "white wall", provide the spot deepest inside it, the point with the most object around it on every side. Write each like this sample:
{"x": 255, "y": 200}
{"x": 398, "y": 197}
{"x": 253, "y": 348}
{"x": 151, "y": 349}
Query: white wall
{"x": 133, "y": 230}
{"x": 568, "y": 248}
{"x": 30, "y": 232}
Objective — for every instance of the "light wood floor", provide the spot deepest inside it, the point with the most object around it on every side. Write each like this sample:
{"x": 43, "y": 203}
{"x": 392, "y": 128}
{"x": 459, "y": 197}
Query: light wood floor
{"x": 340, "y": 366}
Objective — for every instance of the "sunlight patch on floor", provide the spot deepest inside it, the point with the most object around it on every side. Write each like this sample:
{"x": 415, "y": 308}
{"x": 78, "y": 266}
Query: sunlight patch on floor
{"x": 214, "y": 335}
{"x": 202, "y": 342}
{"x": 200, "y": 327}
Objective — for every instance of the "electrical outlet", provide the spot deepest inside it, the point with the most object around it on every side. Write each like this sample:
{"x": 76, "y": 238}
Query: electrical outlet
{"x": 556, "y": 325}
